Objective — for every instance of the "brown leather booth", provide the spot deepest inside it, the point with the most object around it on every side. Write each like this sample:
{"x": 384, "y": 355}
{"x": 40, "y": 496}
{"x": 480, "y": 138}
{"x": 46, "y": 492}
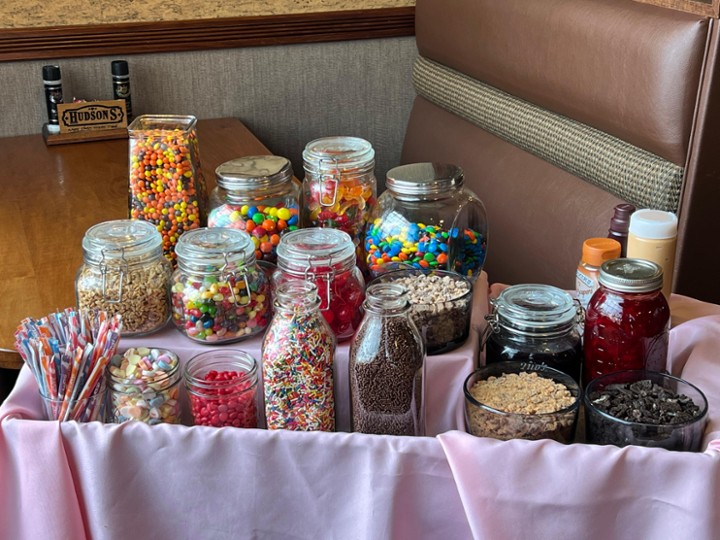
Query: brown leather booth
{"x": 557, "y": 110}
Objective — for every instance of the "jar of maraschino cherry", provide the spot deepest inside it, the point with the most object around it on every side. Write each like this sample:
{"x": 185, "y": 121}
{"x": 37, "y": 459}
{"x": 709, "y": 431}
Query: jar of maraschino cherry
{"x": 327, "y": 258}
{"x": 627, "y": 320}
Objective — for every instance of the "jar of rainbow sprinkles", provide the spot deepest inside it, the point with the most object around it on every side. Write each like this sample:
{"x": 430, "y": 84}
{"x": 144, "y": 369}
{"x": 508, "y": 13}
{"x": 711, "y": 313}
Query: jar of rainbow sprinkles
{"x": 426, "y": 219}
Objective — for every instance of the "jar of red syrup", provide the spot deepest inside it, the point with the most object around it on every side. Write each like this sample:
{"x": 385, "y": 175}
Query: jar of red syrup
{"x": 327, "y": 258}
{"x": 627, "y": 320}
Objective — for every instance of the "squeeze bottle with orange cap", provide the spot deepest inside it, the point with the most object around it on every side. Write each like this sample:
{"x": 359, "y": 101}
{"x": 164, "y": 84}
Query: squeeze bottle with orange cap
{"x": 595, "y": 251}
{"x": 652, "y": 235}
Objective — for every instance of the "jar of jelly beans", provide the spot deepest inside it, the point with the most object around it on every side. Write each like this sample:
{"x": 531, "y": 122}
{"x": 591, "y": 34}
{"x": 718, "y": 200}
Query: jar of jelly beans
{"x": 256, "y": 194}
{"x": 219, "y": 294}
{"x": 124, "y": 272}
{"x": 535, "y": 324}
{"x": 627, "y": 321}
{"x": 327, "y": 258}
{"x": 167, "y": 187}
{"x": 427, "y": 219}
{"x": 339, "y": 186}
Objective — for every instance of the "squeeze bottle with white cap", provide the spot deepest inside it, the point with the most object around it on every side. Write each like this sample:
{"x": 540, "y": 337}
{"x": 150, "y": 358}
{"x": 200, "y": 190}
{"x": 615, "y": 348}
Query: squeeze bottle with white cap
{"x": 652, "y": 236}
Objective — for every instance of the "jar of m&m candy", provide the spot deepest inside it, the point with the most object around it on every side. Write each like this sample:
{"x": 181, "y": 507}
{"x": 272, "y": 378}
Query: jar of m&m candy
{"x": 627, "y": 320}
{"x": 298, "y": 352}
{"x": 256, "y": 194}
{"x": 339, "y": 186}
{"x": 167, "y": 187}
{"x": 219, "y": 294}
{"x": 327, "y": 258}
{"x": 427, "y": 219}
{"x": 124, "y": 272}
{"x": 222, "y": 388}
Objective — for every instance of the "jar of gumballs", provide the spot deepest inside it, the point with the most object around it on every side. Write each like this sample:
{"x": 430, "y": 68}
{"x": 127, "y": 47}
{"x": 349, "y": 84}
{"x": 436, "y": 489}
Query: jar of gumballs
{"x": 325, "y": 257}
{"x": 167, "y": 186}
{"x": 426, "y": 219}
{"x": 256, "y": 194}
{"x": 219, "y": 293}
{"x": 339, "y": 186}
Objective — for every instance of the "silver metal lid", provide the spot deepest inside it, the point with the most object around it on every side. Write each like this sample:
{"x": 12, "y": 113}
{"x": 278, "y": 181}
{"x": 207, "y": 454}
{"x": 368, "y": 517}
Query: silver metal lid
{"x": 423, "y": 179}
{"x": 121, "y": 239}
{"x": 315, "y": 247}
{"x": 254, "y": 172}
{"x": 631, "y": 275}
{"x": 340, "y": 155}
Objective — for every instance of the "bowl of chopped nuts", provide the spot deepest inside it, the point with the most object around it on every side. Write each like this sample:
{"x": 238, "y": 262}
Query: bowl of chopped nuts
{"x": 645, "y": 408}
{"x": 441, "y": 305}
{"x": 521, "y": 400}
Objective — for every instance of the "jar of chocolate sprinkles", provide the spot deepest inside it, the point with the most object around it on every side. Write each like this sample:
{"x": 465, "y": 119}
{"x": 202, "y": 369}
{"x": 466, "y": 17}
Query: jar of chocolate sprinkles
{"x": 387, "y": 366}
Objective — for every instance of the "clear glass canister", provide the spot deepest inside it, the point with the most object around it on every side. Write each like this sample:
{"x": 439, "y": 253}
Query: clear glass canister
{"x": 535, "y": 324}
{"x": 256, "y": 194}
{"x": 167, "y": 187}
{"x": 124, "y": 272}
{"x": 298, "y": 353}
{"x": 327, "y": 258}
{"x": 219, "y": 293}
{"x": 386, "y": 366}
{"x": 627, "y": 320}
{"x": 427, "y": 219}
{"x": 143, "y": 386}
{"x": 340, "y": 186}
{"x": 222, "y": 387}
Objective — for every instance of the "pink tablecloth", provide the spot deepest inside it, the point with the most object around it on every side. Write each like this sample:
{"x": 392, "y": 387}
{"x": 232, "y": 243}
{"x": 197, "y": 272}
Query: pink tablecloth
{"x": 135, "y": 481}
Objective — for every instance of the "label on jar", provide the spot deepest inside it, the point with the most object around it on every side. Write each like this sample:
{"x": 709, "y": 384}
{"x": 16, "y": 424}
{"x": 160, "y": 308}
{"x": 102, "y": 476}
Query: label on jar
{"x": 585, "y": 287}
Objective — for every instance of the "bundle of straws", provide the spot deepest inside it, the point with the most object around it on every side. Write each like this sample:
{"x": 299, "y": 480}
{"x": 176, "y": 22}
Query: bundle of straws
{"x": 68, "y": 352}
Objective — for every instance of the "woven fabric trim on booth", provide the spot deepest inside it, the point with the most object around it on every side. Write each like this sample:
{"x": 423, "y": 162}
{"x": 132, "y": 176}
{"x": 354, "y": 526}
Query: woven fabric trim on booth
{"x": 626, "y": 171}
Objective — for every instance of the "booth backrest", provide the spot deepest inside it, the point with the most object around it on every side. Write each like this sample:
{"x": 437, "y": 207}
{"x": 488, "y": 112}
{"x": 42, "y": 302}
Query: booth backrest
{"x": 557, "y": 110}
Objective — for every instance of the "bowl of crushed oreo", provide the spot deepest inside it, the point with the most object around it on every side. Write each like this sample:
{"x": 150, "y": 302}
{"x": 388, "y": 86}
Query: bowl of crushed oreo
{"x": 645, "y": 408}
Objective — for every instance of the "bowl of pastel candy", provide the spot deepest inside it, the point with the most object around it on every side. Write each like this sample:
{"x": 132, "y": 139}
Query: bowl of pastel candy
{"x": 441, "y": 305}
{"x": 645, "y": 408}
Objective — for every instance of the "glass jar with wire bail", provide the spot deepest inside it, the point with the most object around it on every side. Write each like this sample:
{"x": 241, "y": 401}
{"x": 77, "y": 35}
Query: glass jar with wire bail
{"x": 124, "y": 271}
{"x": 256, "y": 194}
{"x": 426, "y": 219}
{"x": 219, "y": 293}
{"x": 535, "y": 324}
{"x": 325, "y": 257}
{"x": 339, "y": 186}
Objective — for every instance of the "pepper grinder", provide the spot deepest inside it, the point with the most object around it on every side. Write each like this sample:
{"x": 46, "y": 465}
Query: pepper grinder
{"x": 619, "y": 225}
{"x": 121, "y": 84}
{"x": 53, "y": 95}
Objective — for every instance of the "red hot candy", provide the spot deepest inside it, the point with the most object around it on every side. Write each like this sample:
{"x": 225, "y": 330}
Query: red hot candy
{"x": 231, "y": 403}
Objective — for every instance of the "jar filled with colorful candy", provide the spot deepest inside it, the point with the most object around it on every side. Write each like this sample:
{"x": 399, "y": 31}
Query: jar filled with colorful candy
{"x": 124, "y": 272}
{"x": 426, "y": 219}
{"x": 298, "y": 352}
{"x": 339, "y": 186}
{"x": 219, "y": 293}
{"x": 167, "y": 187}
{"x": 256, "y": 194}
{"x": 325, "y": 257}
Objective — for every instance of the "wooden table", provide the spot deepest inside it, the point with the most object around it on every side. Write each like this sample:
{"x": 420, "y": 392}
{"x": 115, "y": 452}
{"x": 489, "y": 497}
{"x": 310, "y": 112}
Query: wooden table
{"x": 52, "y": 195}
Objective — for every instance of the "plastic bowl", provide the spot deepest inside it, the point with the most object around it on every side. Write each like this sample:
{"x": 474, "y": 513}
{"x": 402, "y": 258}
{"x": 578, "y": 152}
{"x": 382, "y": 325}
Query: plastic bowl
{"x": 483, "y": 420}
{"x": 443, "y": 323}
{"x": 604, "y": 428}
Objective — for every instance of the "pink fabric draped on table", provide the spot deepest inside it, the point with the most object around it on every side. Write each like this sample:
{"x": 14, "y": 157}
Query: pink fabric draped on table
{"x": 97, "y": 481}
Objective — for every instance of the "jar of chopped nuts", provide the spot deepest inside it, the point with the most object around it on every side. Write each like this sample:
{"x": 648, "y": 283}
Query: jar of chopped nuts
{"x": 124, "y": 272}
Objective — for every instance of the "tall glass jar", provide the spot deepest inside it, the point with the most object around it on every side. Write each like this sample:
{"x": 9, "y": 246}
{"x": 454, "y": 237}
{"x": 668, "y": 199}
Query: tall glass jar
{"x": 222, "y": 387}
{"x": 427, "y": 219}
{"x": 535, "y": 324}
{"x": 327, "y": 258}
{"x": 219, "y": 294}
{"x": 256, "y": 194}
{"x": 124, "y": 272}
{"x": 386, "y": 366}
{"x": 340, "y": 186}
{"x": 298, "y": 352}
{"x": 167, "y": 187}
{"x": 627, "y": 321}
